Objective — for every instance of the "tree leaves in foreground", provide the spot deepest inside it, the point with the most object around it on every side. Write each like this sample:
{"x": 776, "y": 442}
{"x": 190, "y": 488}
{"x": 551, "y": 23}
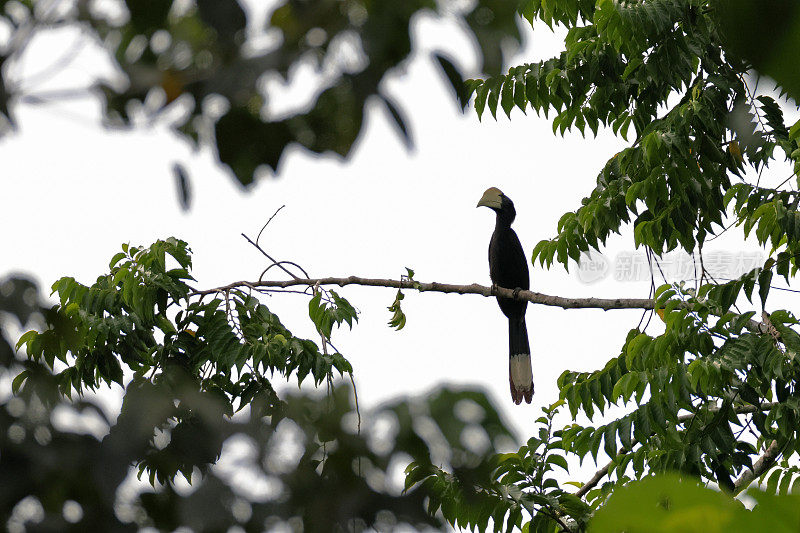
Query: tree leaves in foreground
{"x": 669, "y": 503}
{"x": 188, "y": 363}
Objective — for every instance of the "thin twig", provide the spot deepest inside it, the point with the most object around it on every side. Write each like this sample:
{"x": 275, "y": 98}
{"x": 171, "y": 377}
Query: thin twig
{"x": 265, "y": 254}
{"x": 355, "y": 395}
{"x": 281, "y": 291}
{"x": 278, "y": 264}
{"x": 651, "y": 293}
{"x": 564, "y": 526}
{"x": 725, "y": 228}
{"x": 268, "y": 221}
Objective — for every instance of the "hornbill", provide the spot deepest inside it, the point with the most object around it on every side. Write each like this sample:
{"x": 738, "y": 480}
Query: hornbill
{"x": 508, "y": 268}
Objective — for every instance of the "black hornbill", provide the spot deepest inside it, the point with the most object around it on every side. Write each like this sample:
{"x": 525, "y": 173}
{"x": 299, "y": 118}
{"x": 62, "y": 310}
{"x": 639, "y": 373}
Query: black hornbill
{"x": 508, "y": 268}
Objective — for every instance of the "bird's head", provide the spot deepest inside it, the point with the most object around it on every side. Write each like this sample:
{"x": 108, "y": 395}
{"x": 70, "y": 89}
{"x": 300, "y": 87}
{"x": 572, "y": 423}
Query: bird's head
{"x": 501, "y": 204}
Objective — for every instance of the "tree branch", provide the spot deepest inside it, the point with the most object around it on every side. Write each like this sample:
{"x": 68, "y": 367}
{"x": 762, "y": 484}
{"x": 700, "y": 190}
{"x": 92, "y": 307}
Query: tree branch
{"x": 761, "y": 465}
{"x": 474, "y": 288}
{"x": 606, "y": 304}
{"x": 741, "y": 410}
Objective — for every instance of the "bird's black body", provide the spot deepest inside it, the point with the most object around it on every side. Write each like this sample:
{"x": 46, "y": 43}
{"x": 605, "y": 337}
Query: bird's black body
{"x": 508, "y": 268}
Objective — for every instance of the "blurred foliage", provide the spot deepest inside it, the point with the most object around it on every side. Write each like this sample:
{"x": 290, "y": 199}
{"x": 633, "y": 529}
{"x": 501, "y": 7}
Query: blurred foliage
{"x": 19, "y": 298}
{"x": 216, "y": 57}
{"x": 746, "y": 24}
{"x": 668, "y": 503}
{"x": 523, "y": 483}
{"x": 42, "y": 467}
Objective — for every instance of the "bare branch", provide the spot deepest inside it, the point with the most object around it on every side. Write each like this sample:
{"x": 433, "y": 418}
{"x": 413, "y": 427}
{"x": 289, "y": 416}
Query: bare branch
{"x": 268, "y": 221}
{"x": 279, "y": 264}
{"x": 474, "y": 288}
{"x": 741, "y": 410}
{"x": 539, "y": 298}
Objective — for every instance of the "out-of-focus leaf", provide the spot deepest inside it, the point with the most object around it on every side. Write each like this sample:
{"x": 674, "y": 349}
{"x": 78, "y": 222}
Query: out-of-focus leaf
{"x": 184, "y": 187}
{"x": 746, "y": 23}
{"x": 399, "y": 120}
{"x": 455, "y": 79}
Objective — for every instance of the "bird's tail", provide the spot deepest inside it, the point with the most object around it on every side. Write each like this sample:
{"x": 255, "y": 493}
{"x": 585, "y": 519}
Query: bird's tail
{"x": 520, "y": 374}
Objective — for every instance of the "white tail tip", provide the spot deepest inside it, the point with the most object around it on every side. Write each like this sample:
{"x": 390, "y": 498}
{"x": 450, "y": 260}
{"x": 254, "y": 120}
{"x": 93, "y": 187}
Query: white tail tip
{"x": 520, "y": 378}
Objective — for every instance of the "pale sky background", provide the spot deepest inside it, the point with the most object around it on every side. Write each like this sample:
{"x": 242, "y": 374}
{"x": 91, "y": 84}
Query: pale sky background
{"x": 73, "y": 192}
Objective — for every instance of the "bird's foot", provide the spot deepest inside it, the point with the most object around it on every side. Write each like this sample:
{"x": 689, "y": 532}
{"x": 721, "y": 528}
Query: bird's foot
{"x": 494, "y": 289}
{"x": 516, "y": 293}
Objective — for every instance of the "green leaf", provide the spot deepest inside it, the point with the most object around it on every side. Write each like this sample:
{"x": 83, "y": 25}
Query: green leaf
{"x": 634, "y": 348}
{"x": 26, "y": 338}
{"x": 558, "y": 460}
{"x": 632, "y": 65}
{"x": 481, "y": 94}
{"x": 657, "y": 415}
{"x": 666, "y": 503}
{"x": 626, "y": 385}
{"x": 641, "y": 428}
{"x": 624, "y": 429}
{"x": 116, "y": 259}
{"x": 16, "y": 384}
{"x": 398, "y": 319}
{"x": 520, "y": 98}
{"x": 610, "y": 439}
{"x": 507, "y": 96}
{"x": 492, "y": 102}
{"x": 764, "y": 280}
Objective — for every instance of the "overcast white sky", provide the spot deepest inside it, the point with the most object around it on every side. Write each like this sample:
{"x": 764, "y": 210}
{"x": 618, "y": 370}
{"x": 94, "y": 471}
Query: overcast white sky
{"x": 73, "y": 192}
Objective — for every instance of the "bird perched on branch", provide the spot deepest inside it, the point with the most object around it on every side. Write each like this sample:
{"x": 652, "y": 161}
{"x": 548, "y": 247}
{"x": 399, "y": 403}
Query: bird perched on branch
{"x": 508, "y": 268}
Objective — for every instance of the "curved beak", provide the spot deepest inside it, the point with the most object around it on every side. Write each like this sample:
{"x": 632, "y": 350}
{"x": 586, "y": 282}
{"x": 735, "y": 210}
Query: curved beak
{"x": 492, "y": 198}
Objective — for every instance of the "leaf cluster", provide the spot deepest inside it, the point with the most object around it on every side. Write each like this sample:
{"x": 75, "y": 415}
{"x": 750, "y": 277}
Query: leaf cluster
{"x": 659, "y": 67}
{"x": 691, "y": 388}
{"x": 200, "y": 358}
{"x": 141, "y": 317}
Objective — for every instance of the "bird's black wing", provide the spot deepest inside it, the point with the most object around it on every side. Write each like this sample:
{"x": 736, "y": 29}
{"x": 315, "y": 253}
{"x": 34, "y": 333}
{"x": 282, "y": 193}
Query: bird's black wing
{"x": 508, "y": 267}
